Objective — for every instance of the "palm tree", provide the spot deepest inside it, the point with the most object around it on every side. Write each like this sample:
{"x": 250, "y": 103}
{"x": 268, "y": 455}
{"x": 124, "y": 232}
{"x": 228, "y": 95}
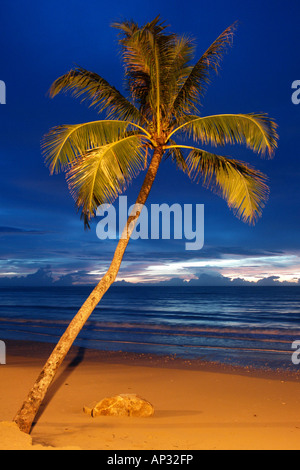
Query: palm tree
{"x": 101, "y": 158}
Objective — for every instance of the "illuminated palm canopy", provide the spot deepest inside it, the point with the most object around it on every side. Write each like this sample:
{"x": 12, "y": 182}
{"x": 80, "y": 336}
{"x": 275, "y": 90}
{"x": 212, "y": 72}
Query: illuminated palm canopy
{"x": 165, "y": 90}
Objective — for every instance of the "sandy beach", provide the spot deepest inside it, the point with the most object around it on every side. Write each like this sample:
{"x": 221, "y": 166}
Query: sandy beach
{"x": 197, "y": 405}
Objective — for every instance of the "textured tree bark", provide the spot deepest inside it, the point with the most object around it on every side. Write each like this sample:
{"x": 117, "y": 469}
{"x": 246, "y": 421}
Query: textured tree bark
{"x": 25, "y": 416}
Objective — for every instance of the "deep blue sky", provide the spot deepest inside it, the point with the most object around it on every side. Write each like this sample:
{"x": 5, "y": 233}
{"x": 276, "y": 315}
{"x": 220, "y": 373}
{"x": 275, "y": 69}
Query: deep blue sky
{"x": 39, "y": 227}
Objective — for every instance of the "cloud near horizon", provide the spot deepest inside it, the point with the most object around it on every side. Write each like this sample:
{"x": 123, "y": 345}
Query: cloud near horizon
{"x": 44, "y": 277}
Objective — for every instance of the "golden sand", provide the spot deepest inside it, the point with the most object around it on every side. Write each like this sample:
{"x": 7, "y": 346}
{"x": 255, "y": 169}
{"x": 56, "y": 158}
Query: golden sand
{"x": 197, "y": 405}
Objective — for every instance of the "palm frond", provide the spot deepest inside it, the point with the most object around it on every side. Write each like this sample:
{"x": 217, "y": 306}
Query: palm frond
{"x": 176, "y": 69}
{"x": 198, "y": 79}
{"x": 128, "y": 27}
{"x": 64, "y": 144}
{"x": 137, "y": 59}
{"x": 95, "y": 89}
{"x": 244, "y": 188}
{"x": 257, "y": 131}
{"x": 147, "y": 55}
{"x": 177, "y": 156}
{"x": 101, "y": 174}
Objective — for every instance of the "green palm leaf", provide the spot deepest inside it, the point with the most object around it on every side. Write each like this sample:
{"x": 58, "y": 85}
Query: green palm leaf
{"x": 176, "y": 70}
{"x": 244, "y": 188}
{"x": 176, "y": 154}
{"x": 148, "y": 55}
{"x": 257, "y": 131}
{"x": 90, "y": 86}
{"x": 64, "y": 144}
{"x": 101, "y": 174}
{"x": 196, "y": 82}
{"x": 137, "y": 54}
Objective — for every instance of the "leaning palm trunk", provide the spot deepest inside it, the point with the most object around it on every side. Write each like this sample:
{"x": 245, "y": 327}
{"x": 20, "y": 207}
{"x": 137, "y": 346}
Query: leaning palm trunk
{"x": 26, "y": 415}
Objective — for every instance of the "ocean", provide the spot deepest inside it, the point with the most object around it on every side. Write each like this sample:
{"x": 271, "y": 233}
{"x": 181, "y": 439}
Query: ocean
{"x": 241, "y": 326}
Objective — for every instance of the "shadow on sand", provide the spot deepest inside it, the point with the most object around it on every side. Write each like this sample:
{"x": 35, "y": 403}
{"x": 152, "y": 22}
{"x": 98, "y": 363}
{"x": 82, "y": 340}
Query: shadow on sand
{"x": 59, "y": 381}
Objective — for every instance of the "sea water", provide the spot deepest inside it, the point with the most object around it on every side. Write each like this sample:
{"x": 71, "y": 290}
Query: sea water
{"x": 244, "y": 326}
